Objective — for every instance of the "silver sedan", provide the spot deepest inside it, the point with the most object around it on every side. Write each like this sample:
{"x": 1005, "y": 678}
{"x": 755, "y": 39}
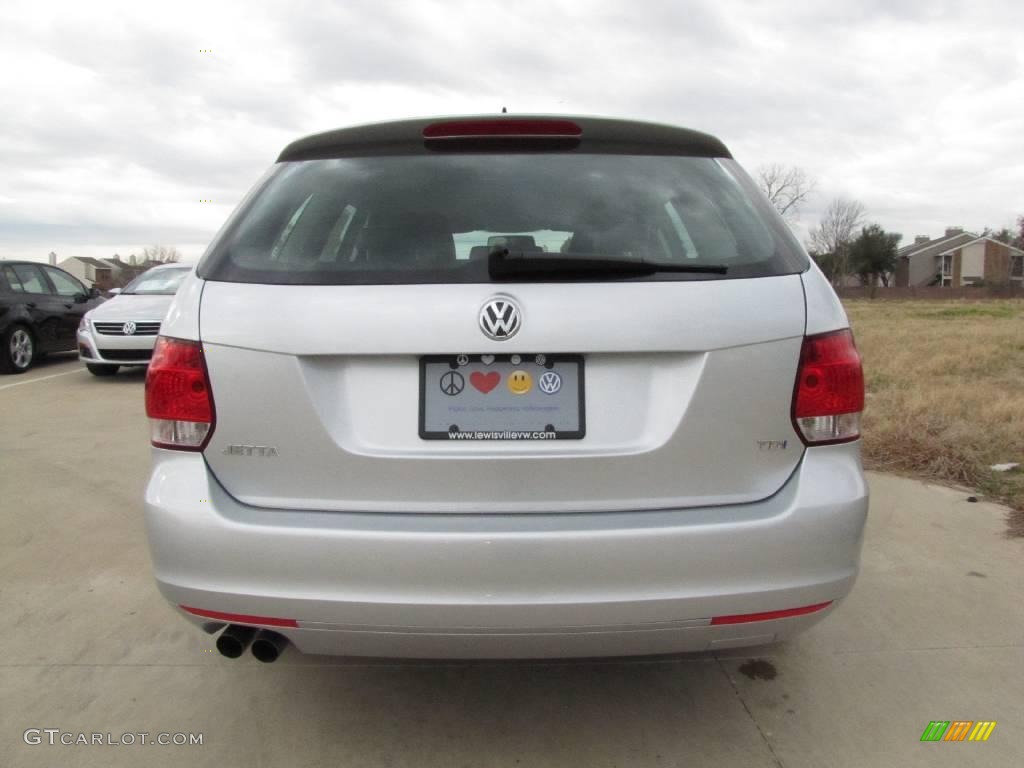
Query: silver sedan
{"x": 123, "y": 330}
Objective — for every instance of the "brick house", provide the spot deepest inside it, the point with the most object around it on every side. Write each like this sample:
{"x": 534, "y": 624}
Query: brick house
{"x": 126, "y": 271}
{"x": 982, "y": 260}
{"x": 93, "y": 272}
{"x": 919, "y": 264}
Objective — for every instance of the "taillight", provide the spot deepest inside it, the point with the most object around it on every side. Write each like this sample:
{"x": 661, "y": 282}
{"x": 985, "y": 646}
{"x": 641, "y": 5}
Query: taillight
{"x": 505, "y": 127}
{"x": 829, "y": 395}
{"x": 179, "y": 401}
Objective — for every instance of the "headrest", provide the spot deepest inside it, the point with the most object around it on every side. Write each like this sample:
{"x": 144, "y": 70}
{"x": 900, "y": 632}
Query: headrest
{"x": 415, "y": 238}
{"x": 524, "y": 243}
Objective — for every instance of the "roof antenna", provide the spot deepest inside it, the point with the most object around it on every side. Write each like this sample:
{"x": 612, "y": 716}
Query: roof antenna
{"x": 503, "y": 110}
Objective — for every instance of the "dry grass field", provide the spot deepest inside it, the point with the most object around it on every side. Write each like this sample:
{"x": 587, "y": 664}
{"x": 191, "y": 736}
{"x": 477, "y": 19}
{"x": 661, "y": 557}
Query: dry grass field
{"x": 945, "y": 383}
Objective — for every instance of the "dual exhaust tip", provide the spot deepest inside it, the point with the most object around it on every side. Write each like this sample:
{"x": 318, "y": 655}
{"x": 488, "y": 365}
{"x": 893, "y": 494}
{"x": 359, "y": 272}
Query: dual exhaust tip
{"x": 266, "y": 645}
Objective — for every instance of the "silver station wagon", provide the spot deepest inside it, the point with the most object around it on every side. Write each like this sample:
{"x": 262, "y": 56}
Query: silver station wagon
{"x": 505, "y": 387}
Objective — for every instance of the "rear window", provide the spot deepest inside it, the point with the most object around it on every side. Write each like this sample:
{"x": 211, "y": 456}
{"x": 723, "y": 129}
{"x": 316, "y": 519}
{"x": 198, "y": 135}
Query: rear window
{"x": 435, "y": 218}
{"x": 12, "y": 280}
{"x": 30, "y": 279}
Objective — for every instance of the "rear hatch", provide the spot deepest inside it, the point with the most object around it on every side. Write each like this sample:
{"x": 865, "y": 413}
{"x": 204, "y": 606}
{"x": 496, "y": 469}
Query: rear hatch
{"x": 657, "y": 285}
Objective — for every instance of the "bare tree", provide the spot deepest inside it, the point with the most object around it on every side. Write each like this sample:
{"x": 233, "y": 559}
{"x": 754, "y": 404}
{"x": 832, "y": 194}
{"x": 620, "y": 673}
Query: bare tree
{"x": 1004, "y": 235}
{"x": 834, "y": 233}
{"x": 161, "y": 253}
{"x": 787, "y": 187}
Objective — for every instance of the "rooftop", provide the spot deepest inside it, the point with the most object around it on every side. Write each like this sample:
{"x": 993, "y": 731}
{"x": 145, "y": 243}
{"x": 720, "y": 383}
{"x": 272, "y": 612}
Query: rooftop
{"x": 1015, "y": 251}
{"x": 934, "y": 246}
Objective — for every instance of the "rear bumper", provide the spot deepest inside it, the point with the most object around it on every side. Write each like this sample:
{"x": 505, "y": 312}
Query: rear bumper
{"x": 537, "y": 585}
{"x": 98, "y": 348}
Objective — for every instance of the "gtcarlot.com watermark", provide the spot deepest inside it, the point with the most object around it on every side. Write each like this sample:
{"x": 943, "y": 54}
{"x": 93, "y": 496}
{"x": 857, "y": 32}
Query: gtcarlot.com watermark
{"x": 56, "y": 737}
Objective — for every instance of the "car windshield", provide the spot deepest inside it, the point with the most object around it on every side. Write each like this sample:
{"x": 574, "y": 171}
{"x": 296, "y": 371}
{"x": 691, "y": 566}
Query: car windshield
{"x": 157, "y": 281}
{"x": 436, "y": 218}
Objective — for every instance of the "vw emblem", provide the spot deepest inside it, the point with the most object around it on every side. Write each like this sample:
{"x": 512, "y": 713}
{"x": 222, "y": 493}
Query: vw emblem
{"x": 500, "y": 318}
{"x": 128, "y": 329}
{"x": 550, "y": 382}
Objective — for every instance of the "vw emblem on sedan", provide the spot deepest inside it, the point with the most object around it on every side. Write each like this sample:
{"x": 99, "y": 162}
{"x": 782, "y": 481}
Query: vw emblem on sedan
{"x": 128, "y": 329}
{"x": 500, "y": 318}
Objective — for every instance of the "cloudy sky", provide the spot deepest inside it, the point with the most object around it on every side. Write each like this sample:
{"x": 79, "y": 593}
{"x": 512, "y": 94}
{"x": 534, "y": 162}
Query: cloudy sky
{"x": 115, "y": 121}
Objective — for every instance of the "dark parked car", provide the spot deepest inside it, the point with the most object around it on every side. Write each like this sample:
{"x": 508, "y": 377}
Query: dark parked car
{"x": 40, "y": 309}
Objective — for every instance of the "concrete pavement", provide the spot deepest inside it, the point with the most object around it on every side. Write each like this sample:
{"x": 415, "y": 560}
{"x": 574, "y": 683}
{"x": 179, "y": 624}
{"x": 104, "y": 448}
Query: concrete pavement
{"x": 932, "y": 631}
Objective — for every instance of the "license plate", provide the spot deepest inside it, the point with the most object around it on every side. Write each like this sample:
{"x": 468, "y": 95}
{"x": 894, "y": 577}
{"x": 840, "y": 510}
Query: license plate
{"x": 501, "y": 397}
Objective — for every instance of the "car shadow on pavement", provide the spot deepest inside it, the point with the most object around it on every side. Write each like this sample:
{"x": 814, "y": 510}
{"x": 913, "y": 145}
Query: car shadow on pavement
{"x": 588, "y": 712}
{"x": 50, "y": 360}
{"x": 124, "y": 376}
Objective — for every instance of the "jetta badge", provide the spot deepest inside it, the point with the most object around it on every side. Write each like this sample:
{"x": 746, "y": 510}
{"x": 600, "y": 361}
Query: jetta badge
{"x": 266, "y": 451}
{"x": 500, "y": 318}
{"x": 128, "y": 329}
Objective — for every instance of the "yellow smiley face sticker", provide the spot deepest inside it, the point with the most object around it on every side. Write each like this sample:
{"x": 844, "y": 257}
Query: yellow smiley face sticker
{"x": 519, "y": 382}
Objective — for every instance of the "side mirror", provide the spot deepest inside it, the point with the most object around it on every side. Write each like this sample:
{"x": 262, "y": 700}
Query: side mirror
{"x": 94, "y": 293}
{"x": 114, "y": 291}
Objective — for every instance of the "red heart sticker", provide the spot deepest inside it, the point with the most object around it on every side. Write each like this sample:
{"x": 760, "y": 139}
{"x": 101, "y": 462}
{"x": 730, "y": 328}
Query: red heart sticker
{"x": 485, "y": 382}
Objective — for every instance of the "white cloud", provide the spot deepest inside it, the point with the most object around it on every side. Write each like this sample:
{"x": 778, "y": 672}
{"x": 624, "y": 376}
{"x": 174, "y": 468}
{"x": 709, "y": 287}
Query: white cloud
{"x": 116, "y": 123}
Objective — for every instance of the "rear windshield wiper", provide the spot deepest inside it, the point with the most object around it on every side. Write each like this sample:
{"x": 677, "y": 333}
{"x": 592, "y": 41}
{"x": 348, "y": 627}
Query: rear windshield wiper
{"x": 502, "y": 263}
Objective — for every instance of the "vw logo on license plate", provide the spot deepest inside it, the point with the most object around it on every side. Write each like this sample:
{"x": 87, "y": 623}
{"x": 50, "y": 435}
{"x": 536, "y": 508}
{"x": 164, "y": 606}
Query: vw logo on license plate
{"x": 550, "y": 382}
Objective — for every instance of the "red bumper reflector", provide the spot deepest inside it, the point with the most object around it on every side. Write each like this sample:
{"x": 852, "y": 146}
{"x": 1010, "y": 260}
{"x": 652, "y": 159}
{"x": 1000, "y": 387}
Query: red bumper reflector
{"x": 241, "y": 618}
{"x": 743, "y": 618}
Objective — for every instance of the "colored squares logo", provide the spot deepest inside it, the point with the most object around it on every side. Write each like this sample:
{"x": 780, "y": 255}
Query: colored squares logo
{"x": 958, "y": 730}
